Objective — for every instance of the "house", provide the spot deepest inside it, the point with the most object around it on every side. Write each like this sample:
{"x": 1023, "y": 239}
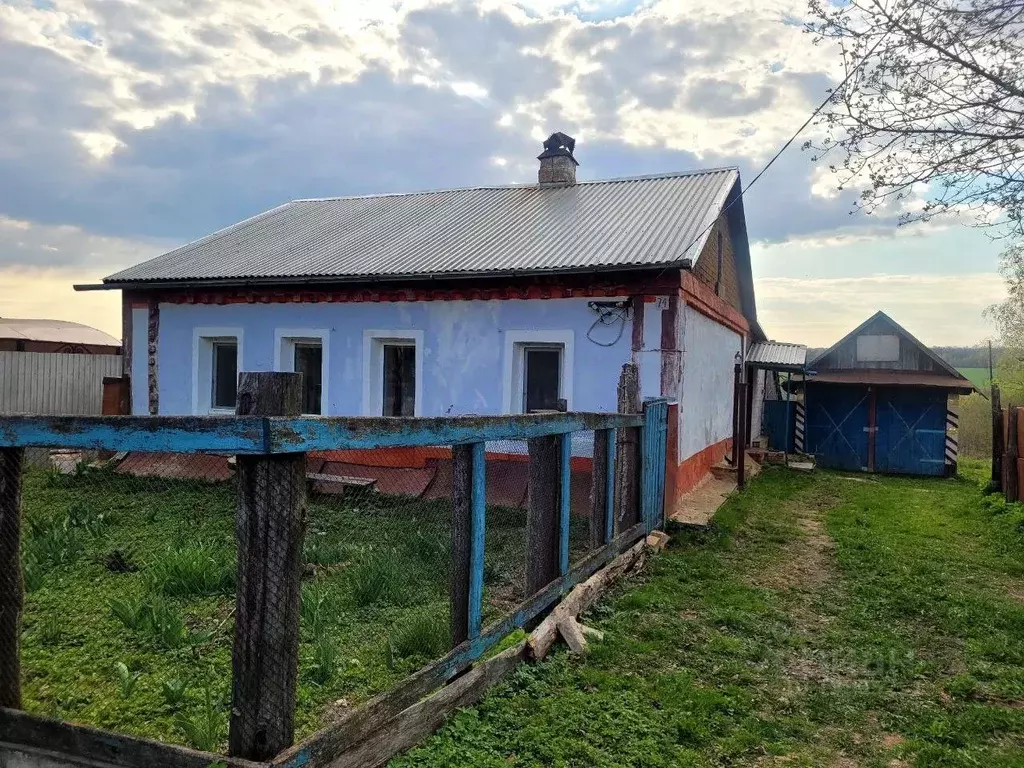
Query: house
{"x": 55, "y": 367}
{"x": 485, "y": 300}
{"x": 877, "y": 400}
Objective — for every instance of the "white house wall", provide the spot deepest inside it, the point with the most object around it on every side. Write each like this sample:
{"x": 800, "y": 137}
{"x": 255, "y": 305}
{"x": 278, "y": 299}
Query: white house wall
{"x": 705, "y": 410}
{"x": 463, "y": 348}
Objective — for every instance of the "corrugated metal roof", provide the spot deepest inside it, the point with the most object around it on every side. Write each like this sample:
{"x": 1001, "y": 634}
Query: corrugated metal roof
{"x": 59, "y": 331}
{"x": 778, "y": 355}
{"x": 642, "y": 221}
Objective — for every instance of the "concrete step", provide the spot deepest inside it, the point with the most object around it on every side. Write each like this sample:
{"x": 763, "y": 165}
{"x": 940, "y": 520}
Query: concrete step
{"x": 723, "y": 470}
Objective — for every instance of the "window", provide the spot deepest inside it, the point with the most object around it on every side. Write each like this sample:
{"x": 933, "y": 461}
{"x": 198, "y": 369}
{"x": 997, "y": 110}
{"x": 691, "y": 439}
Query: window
{"x": 542, "y": 373}
{"x": 878, "y": 349}
{"x": 216, "y": 361}
{"x": 538, "y": 370}
{"x": 309, "y": 361}
{"x": 225, "y": 374}
{"x": 399, "y": 379}
{"x": 393, "y": 378}
{"x": 304, "y": 350}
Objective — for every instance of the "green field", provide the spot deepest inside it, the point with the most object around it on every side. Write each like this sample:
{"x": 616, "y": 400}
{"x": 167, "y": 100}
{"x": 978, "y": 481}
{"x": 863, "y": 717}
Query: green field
{"x": 827, "y": 620}
{"x": 978, "y": 377}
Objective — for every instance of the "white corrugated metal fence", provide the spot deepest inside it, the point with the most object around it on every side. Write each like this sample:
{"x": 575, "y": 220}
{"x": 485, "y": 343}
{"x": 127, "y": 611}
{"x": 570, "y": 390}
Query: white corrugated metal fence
{"x": 54, "y": 384}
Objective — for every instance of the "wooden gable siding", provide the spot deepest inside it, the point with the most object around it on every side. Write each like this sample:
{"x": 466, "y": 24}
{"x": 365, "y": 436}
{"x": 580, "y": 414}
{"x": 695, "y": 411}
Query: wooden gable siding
{"x": 706, "y": 268}
{"x": 912, "y": 357}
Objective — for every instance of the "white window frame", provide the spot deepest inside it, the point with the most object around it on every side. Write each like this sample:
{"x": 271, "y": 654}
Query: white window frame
{"x": 374, "y": 342}
{"x": 285, "y": 340}
{"x": 516, "y": 343}
{"x": 203, "y": 339}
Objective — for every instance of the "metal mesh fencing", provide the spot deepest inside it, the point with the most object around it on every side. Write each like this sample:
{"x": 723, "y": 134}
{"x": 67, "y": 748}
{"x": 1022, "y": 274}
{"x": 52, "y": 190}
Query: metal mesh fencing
{"x": 128, "y": 566}
{"x": 130, "y": 571}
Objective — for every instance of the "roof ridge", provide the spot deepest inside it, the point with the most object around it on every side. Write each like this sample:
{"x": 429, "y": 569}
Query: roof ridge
{"x": 588, "y": 182}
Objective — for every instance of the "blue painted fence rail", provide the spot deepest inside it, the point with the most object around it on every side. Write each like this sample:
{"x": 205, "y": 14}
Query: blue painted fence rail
{"x": 256, "y": 435}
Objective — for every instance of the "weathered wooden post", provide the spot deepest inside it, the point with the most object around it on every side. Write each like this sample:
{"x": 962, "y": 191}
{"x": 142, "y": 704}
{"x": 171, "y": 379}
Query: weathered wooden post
{"x": 627, "y": 452}
{"x": 737, "y": 372}
{"x": 269, "y": 523}
{"x": 997, "y": 441}
{"x": 468, "y": 520}
{"x": 601, "y": 488}
{"x": 542, "y": 517}
{"x": 11, "y": 588}
{"x": 1012, "y": 454}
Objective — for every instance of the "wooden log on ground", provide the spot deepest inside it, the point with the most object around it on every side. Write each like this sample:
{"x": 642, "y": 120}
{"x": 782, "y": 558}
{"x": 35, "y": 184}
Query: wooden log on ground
{"x": 579, "y": 599}
{"x": 426, "y": 716}
{"x": 269, "y": 524}
{"x": 12, "y": 591}
{"x": 571, "y": 632}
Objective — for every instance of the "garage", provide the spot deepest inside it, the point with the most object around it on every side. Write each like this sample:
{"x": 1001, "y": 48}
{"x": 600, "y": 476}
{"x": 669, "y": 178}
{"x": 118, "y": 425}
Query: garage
{"x": 877, "y": 401}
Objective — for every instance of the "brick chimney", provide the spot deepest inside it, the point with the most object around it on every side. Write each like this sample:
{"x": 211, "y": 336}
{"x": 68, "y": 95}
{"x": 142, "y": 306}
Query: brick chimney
{"x": 557, "y": 165}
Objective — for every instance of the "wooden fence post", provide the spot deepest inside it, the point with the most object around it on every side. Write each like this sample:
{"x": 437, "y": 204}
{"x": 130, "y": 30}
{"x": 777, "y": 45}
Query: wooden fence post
{"x": 997, "y": 441}
{"x": 740, "y": 438}
{"x": 737, "y": 373}
{"x": 600, "y": 498}
{"x": 269, "y": 523}
{"x": 11, "y": 588}
{"x": 542, "y": 517}
{"x": 627, "y": 450}
{"x": 1012, "y": 454}
{"x": 469, "y": 506}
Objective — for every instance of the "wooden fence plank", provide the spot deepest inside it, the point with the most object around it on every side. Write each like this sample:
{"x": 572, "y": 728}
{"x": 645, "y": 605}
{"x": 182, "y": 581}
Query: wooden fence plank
{"x": 462, "y": 515}
{"x": 564, "y": 476}
{"x": 478, "y": 522}
{"x": 89, "y": 746}
{"x": 317, "y": 434}
{"x": 600, "y": 501}
{"x": 542, "y": 517}
{"x": 12, "y": 592}
{"x": 1012, "y": 454}
{"x": 609, "y": 513}
{"x": 179, "y": 434}
{"x": 627, "y": 452}
{"x": 426, "y": 716}
{"x": 237, "y": 435}
{"x": 268, "y": 527}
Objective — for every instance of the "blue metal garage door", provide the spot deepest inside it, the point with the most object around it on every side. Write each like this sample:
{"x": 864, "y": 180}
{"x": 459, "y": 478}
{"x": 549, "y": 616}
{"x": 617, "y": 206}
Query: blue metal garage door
{"x": 837, "y": 421}
{"x": 911, "y": 436}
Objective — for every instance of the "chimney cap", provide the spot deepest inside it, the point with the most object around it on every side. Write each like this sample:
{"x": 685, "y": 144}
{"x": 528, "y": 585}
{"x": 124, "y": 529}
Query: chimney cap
{"x": 559, "y": 144}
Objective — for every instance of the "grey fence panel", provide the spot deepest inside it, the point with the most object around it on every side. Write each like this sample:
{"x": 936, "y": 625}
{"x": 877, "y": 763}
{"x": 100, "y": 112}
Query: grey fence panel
{"x": 54, "y": 383}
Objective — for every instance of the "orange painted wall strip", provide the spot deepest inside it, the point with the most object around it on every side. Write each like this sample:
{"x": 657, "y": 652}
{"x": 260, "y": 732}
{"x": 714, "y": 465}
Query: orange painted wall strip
{"x": 703, "y": 299}
{"x": 692, "y": 470}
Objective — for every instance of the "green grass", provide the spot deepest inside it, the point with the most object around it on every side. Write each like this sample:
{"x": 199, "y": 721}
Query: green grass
{"x": 825, "y": 620}
{"x": 129, "y": 610}
{"x": 129, "y": 606}
{"x": 978, "y": 377}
